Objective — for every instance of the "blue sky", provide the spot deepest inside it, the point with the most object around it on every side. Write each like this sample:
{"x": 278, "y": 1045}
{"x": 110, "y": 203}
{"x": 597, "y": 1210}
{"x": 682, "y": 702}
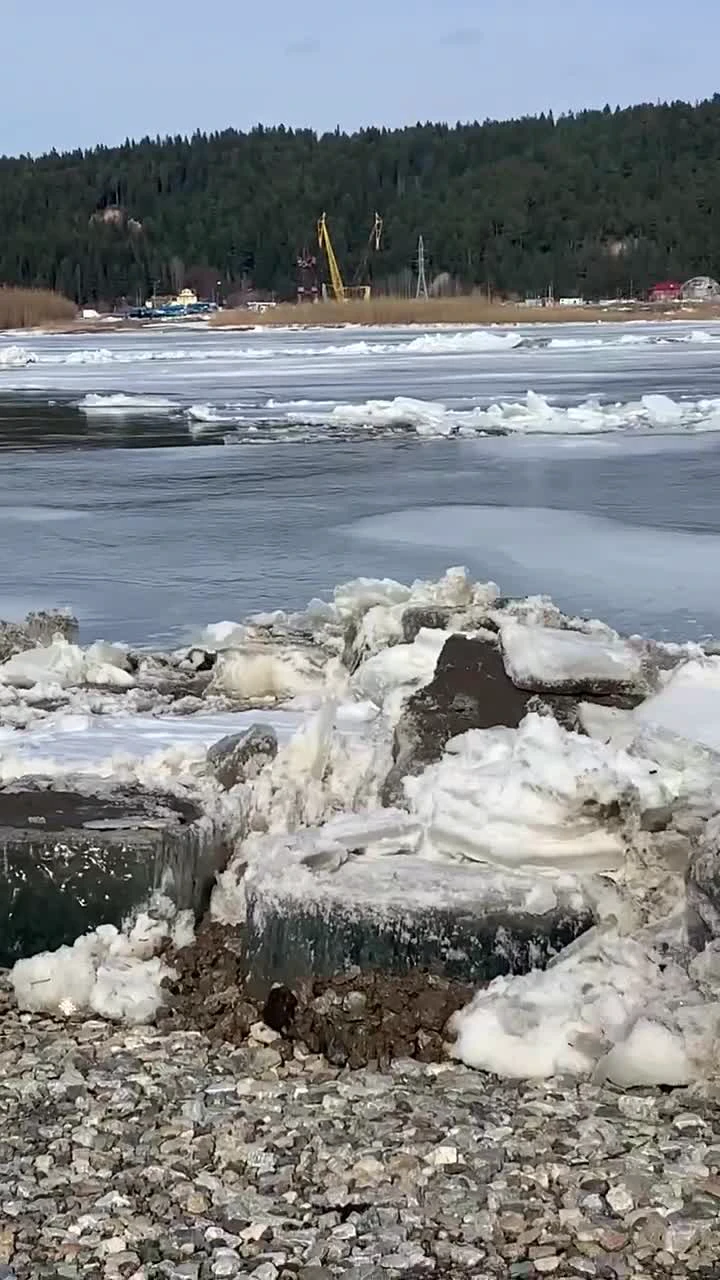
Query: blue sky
{"x": 78, "y": 72}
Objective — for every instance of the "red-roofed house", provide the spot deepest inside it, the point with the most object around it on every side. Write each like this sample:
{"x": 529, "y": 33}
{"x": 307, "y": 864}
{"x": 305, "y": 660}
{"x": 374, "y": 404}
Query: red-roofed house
{"x": 666, "y": 291}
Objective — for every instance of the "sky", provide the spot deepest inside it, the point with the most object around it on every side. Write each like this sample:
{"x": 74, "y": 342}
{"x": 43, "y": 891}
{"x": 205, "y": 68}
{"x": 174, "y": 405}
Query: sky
{"x": 76, "y": 73}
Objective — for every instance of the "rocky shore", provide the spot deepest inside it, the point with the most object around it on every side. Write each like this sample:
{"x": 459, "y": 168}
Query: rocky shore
{"x": 145, "y": 1152}
{"x": 412, "y": 824}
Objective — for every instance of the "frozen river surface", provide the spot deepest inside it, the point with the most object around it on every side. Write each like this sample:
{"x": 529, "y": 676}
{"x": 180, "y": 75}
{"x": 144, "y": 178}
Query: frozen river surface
{"x": 156, "y": 481}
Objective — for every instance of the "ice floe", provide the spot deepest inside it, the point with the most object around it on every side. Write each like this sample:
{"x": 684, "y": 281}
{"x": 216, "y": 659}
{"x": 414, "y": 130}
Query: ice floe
{"x": 120, "y": 403}
{"x": 535, "y": 414}
{"x": 16, "y": 357}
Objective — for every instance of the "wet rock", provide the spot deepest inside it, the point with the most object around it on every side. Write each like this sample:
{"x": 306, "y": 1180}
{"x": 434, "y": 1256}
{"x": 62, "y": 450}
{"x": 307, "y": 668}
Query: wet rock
{"x": 280, "y": 1008}
{"x": 470, "y": 690}
{"x": 418, "y": 617}
{"x": 240, "y": 756}
{"x": 656, "y": 819}
{"x": 201, "y": 660}
{"x": 72, "y": 861}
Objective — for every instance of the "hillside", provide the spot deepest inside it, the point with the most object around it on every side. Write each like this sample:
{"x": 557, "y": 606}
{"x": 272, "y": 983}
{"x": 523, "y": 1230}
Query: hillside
{"x": 598, "y": 202}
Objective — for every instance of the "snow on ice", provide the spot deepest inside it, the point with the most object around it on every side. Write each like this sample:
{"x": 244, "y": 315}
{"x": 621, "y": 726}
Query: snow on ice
{"x": 562, "y": 658}
{"x": 538, "y": 807}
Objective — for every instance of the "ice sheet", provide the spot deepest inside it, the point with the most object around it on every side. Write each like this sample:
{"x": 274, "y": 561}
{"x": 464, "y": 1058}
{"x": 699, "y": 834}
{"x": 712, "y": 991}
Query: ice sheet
{"x": 604, "y": 565}
{"x": 152, "y": 748}
{"x": 688, "y": 704}
{"x": 548, "y": 658}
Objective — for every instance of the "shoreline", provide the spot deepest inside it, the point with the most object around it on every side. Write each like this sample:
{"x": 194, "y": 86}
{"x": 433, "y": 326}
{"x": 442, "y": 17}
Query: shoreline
{"x": 341, "y": 775}
{"x": 326, "y": 1126}
{"x": 455, "y": 314}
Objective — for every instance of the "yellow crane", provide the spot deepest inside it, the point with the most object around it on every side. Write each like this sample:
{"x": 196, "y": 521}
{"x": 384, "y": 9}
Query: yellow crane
{"x": 336, "y": 280}
{"x": 340, "y": 291}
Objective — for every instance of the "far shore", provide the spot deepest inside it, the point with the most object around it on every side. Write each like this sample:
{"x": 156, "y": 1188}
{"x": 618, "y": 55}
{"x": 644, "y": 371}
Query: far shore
{"x": 391, "y": 312}
{"x": 385, "y": 312}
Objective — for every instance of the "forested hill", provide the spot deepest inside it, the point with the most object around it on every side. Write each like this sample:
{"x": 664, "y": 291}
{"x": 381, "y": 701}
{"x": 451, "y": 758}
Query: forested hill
{"x": 598, "y": 203}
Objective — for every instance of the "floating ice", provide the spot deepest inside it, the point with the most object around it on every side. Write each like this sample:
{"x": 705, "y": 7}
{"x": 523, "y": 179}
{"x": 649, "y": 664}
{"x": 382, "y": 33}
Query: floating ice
{"x": 470, "y": 343}
{"x": 535, "y": 414}
{"x": 120, "y": 403}
{"x": 16, "y": 357}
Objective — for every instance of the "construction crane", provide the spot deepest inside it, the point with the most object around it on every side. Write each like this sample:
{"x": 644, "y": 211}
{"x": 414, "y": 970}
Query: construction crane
{"x": 340, "y": 291}
{"x": 336, "y": 280}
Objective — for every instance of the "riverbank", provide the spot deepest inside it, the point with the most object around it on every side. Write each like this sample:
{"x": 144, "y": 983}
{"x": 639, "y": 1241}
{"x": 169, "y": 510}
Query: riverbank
{"x": 416, "y": 758}
{"x": 386, "y": 312}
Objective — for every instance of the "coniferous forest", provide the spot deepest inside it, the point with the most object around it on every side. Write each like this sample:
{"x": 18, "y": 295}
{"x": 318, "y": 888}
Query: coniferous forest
{"x": 602, "y": 203}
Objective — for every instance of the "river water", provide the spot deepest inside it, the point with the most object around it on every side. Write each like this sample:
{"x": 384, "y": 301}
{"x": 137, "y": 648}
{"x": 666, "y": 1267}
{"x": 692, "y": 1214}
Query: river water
{"x": 157, "y": 481}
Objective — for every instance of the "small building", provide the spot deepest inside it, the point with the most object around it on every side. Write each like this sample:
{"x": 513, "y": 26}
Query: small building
{"x": 666, "y": 291}
{"x": 185, "y": 298}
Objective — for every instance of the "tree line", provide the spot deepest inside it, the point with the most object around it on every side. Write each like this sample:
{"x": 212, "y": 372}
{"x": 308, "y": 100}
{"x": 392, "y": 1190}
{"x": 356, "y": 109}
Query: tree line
{"x": 599, "y": 203}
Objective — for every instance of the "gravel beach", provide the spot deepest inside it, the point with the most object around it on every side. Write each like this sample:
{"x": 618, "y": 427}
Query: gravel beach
{"x": 142, "y": 1153}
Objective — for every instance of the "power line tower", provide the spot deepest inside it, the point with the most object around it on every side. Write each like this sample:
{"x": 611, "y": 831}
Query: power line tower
{"x": 421, "y": 290}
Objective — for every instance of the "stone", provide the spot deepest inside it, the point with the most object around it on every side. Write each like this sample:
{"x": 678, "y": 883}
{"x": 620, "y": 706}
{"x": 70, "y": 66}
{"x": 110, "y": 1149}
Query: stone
{"x": 94, "y": 859}
{"x": 226, "y": 1262}
{"x": 469, "y": 690}
{"x": 657, "y": 819}
{"x": 620, "y": 1200}
{"x": 420, "y": 617}
{"x": 441, "y": 1156}
{"x": 241, "y": 756}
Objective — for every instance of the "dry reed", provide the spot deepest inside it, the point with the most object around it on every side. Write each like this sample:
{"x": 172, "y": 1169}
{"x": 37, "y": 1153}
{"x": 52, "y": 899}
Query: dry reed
{"x": 459, "y": 311}
{"x": 30, "y": 308}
